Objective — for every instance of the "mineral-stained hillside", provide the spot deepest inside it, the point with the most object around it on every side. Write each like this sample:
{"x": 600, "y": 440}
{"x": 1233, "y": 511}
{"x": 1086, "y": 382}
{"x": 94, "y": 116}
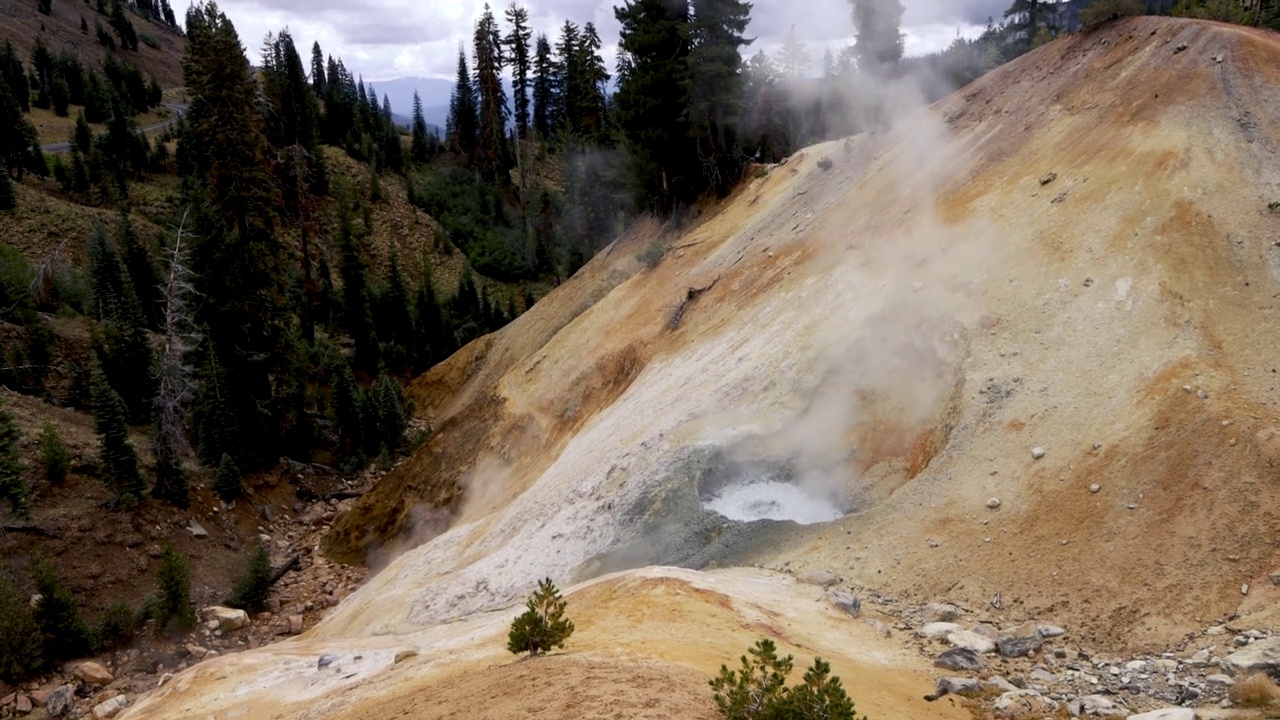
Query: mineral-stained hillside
{"x": 1026, "y": 339}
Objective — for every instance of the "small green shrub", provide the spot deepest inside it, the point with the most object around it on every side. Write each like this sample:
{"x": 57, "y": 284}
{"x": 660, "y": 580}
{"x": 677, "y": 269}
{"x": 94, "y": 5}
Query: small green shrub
{"x": 228, "y": 483}
{"x": 150, "y": 41}
{"x": 758, "y": 691}
{"x": 116, "y": 625}
{"x": 652, "y": 255}
{"x": 21, "y": 645}
{"x": 251, "y": 594}
{"x": 55, "y": 460}
{"x": 65, "y": 633}
{"x": 543, "y": 625}
{"x": 173, "y": 608}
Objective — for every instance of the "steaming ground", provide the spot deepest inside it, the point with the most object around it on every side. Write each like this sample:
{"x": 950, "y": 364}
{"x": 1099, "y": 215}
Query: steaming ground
{"x": 1073, "y": 253}
{"x": 772, "y": 500}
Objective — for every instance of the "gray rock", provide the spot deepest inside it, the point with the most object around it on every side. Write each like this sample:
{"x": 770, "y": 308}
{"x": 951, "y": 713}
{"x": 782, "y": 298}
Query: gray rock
{"x": 961, "y": 659}
{"x": 92, "y": 673}
{"x": 846, "y": 602}
{"x": 1024, "y": 703}
{"x": 938, "y": 629}
{"x": 956, "y": 685}
{"x": 61, "y": 701}
{"x": 996, "y": 683}
{"x": 822, "y": 578}
{"x": 1179, "y": 48}
{"x": 1037, "y": 453}
{"x": 325, "y": 661}
{"x": 940, "y": 612}
{"x": 196, "y": 529}
{"x": 970, "y": 640}
{"x": 1019, "y": 641}
{"x": 1262, "y": 655}
{"x": 1048, "y": 178}
{"x": 109, "y": 708}
{"x": 1095, "y": 706}
{"x": 228, "y": 619}
{"x": 993, "y": 503}
{"x": 1201, "y": 658}
{"x": 1095, "y": 488}
{"x": 1219, "y": 679}
{"x": 1177, "y": 713}
{"x": 1050, "y": 631}
{"x": 878, "y": 626}
{"x": 1041, "y": 675}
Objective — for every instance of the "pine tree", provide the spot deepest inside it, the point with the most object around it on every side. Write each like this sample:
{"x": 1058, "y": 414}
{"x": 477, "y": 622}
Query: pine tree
{"x": 55, "y": 459}
{"x": 650, "y": 100}
{"x": 82, "y": 138}
{"x": 254, "y": 587}
{"x": 490, "y": 147}
{"x": 228, "y": 483}
{"x": 758, "y": 690}
{"x": 543, "y": 625}
{"x": 115, "y": 453}
{"x": 793, "y": 58}
{"x": 19, "y": 138}
{"x": 714, "y": 86}
{"x": 21, "y": 644}
{"x": 395, "y": 324}
{"x": 544, "y": 99}
{"x": 238, "y": 258}
{"x": 568, "y": 78}
{"x": 173, "y": 608}
{"x": 143, "y": 275}
{"x": 8, "y": 197}
{"x": 14, "y": 76}
{"x": 388, "y": 398}
{"x": 516, "y": 43}
{"x": 590, "y": 105}
{"x": 66, "y": 635}
{"x": 357, "y": 316}
{"x": 428, "y": 325}
{"x": 419, "y": 150}
{"x": 318, "y": 82}
{"x": 879, "y": 26}
{"x": 346, "y": 412}
{"x": 463, "y": 122}
{"x": 13, "y": 487}
{"x": 175, "y": 385}
{"x": 293, "y": 120}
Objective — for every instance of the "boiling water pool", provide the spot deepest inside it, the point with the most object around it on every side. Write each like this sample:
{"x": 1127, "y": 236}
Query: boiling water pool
{"x": 771, "y": 500}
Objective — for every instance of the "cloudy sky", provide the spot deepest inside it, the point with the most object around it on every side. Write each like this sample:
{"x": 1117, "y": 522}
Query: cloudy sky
{"x": 386, "y": 39}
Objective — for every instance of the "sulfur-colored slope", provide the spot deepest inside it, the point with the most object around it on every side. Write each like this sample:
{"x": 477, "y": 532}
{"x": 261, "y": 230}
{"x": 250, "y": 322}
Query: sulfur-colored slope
{"x": 645, "y": 644}
{"x": 901, "y": 329}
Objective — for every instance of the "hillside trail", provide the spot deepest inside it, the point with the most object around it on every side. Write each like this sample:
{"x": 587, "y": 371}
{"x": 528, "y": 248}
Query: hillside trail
{"x": 1026, "y": 340}
{"x": 178, "y": 112}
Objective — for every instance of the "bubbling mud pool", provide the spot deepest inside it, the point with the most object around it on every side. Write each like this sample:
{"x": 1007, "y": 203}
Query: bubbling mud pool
{"x": 771, "y": 500}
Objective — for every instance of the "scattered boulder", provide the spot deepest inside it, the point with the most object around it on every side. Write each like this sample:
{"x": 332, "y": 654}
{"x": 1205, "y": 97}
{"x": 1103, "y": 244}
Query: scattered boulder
{"x": 825, "y": 163}
{"x": 325, "y": 661}
{"x": 1050, "y": 631}
{"x": 109, "y": 708}
{"x": 940, "y": 612}
{"x": 1037, "y": 453}
{"x": 821, "y": 578}
{"x": 846, "y": 602}
{"x": 1201, "y": 657}
{"x": 92, "y": 673}
{"x": 39, "y": 698}
{"x": 164, "y": 679}
{"x": 295, "y": 624}
{"x": 1261, "y": 655}
{"x": 993, "y": 503}
{"x": 956, "y": 685}
{"x": 959, "y": 658}
{"x": 196, "y": 529}
{"x": 228, "y": 619}
{"x": 1046, "y": 179}
{"x": 878, "y": 626}
{"x": 196, "y": 651}
{"x": 1177, "y": 713}
{"x": 1219, "y": 679}
{"x": 62, "y": 700}
{"x": 1024, "y": 703}
{"x": 1095, "y": 706}
{"x": 938, "y": 629}
{"x": 1181, "y": 47}
{"x": 969, "y": 640}
{"x": 998, "y": 684}
{"x": 1019, "y": 641}
{"x": 22, "y": 705}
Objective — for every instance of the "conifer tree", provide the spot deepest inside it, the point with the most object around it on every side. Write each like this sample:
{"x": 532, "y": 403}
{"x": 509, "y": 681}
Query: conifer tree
{"x": 173, "y": 608}
{"x": 879, "y": 27}
{"x": 463, "y": 122}
{"x": 174, "y": 377}
{"x": 21, "y": 644}
{"x": 395, "y": 324}
{"x": 493, "y": 113}
{"x": 318, "y": 84}
{"x": 19, "y": 137}
{"x": 115, "y": 454}
{"x": 544, "y": 99}
{"x": 568, "y": 78}
{"x": 357, "y": 316}
{"x": 393, "y": 421}
{"x": 8, "y": 197}
{"x": 228, "y": 483}
{"x": 418, "y": 149}
{"x": 238, "y": 258}
{"x": 66, "y": 635}
{"x": 142, "y": 273}
{"x": 347, "y": 412}
{"x": 428, "y": 325}
{"x": 254, "y": 587}
{"x": 650, "y": 100}
{"x": 13, "y": 487}
{"x": 590, "y": 84}
{"x": 714, "y": 87}
{"x": 14, "y": 76}
{"x": 55, "y": 460}
{"x": 82, "y": 138}
{"x": 543, "y": 625}
{"x": 292, "y": 119}
{"x": 516, "y": 44}
{"x": 793, "y": 57}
